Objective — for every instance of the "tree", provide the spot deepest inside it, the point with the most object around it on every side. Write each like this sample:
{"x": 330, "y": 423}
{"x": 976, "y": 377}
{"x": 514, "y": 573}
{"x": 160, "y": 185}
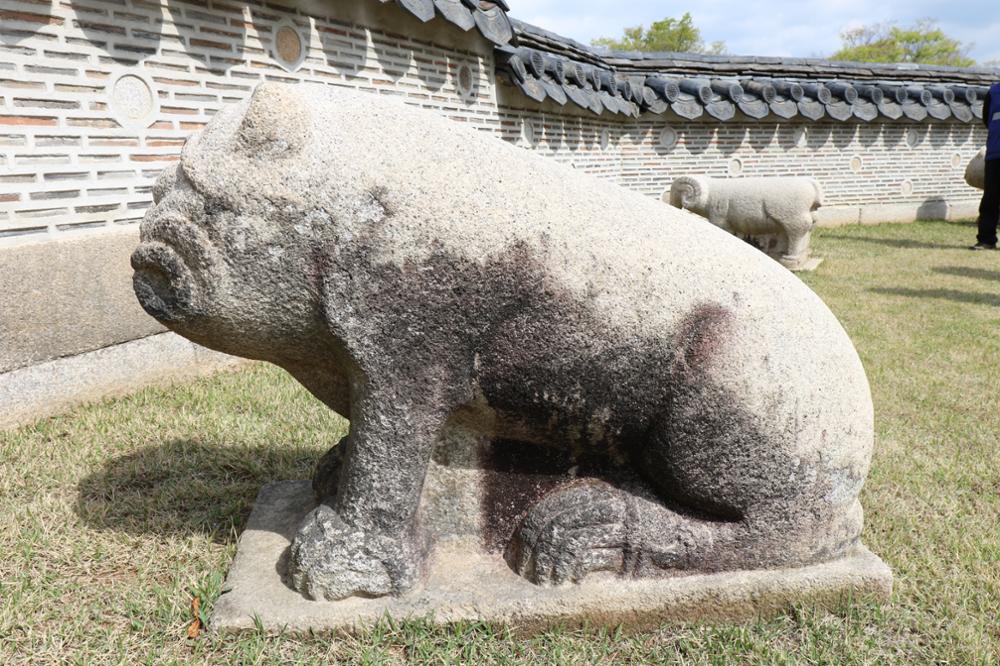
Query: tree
{"x": 923, "y": 42}
{"x": 670, "y": 34}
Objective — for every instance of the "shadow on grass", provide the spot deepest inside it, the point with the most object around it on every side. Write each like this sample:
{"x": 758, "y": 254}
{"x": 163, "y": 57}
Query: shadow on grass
{"x": 975, "y": 297}
{"x": 185, "y": 487}
{"x": 964, "y": 271}
{"x": 902, "y": 243}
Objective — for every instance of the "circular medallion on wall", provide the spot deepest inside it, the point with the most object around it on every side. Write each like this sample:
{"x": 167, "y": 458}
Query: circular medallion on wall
{"x": 288, "y": 47}
{"x": 668, "y": 138}
{"x": 605, "y": 139}
{"x": 735, "y": 166}
{"x": 857, "y": 163}
{"x": 528, "y": 132}
{"x": 465, "y": 82}
{"x": 906, "y": 188}
{"x": 912, "y": 137}
{"x": 132, "y": 99}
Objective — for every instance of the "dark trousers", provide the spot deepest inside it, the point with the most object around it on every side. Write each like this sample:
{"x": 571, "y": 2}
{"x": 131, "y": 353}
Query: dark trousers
{"x": 989, "y": 207}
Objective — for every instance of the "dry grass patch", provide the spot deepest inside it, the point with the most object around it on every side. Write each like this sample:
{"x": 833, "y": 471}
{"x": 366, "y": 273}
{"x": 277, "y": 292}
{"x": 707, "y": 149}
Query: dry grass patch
{"x": 114, "y": 516}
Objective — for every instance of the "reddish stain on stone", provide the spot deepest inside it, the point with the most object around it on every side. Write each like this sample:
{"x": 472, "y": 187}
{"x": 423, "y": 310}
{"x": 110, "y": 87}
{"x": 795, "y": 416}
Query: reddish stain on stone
{"x": 702, "y": 334}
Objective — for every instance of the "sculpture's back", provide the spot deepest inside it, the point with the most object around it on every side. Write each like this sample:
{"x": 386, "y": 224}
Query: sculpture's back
{"x": 424, "y": 279}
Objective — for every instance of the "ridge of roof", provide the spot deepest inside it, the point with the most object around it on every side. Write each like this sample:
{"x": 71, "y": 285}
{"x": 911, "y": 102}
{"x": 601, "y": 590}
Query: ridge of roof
{"x": 732, "y": 65}
{"x": 544, "y": 65}
{"x": 598, "y": 87}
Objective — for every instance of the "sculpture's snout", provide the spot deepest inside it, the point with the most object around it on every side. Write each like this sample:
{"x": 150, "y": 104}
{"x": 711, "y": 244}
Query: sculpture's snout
{"x": 162, "y": 282}
{"x": 181, "y": 235}
{"x": 172, "y": 252}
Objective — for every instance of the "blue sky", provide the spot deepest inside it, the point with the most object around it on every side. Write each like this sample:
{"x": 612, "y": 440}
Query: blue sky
{"x": 770, "y": 27}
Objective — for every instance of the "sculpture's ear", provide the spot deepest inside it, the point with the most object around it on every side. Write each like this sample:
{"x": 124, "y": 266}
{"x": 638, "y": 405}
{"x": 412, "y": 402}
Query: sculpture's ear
{"x": 277, "y": 122}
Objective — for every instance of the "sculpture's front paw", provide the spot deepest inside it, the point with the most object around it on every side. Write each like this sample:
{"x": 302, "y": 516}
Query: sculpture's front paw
{"x": 332, "y": 560}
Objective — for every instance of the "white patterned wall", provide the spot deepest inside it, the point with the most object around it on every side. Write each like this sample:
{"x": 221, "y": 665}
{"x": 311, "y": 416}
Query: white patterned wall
{"x": 78, "y": 151}
{"x": 72, "y": 158}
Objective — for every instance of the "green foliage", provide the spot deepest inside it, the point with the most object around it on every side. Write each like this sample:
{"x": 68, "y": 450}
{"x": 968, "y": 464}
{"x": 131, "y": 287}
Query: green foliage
{"x": 923, "y": 42}
{"x": 670, "y": 34}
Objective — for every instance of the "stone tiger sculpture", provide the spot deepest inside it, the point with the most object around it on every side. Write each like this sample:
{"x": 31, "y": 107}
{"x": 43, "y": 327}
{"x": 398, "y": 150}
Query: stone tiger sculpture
{"x": 419, "y": 277}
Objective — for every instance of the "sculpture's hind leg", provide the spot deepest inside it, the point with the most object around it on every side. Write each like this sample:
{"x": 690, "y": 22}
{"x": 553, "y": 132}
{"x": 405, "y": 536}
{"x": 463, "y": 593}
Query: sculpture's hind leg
{"x": 731, "y": 483}
{"x": 741, "y": 482}
{"x": 593, "y": 526}
{"x": 726, "y": 494}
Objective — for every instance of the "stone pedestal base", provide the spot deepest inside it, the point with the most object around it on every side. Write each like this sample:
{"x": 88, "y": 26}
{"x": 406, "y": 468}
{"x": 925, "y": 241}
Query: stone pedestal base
{"x": 810, "y": 264}
{"x": 463, "y": 583}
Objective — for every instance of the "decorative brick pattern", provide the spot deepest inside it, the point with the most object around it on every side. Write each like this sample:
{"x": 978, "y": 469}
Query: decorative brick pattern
{"x": 635, "y": 157}
{"x": 66, "y": 163}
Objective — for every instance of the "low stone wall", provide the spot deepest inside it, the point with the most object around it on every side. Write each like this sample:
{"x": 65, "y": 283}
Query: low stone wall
{"x": 67, "y": 295}
{"x": 71, "y": 329}
{"x": 838, "y": 216}
{"x": 48, "y": 388}
{"x": 860, "y": 165}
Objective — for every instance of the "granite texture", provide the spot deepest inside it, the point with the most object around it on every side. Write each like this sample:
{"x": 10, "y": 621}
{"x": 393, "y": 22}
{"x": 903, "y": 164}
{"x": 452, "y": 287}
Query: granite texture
{"x": 776, "y": 214}
{"x": 646, "y": 395}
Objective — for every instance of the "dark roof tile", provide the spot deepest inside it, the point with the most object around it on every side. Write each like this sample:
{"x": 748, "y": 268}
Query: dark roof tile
{"x": 489, "y": 16}
{"x": 548, "y": 66}
{"x": 784, "y": 108}
{"x": 456, "y": 12}
{"x": 811, "y": 109}
{"x": 889, "y": 108}
{"x": 687, "y": 107}
{"x": 721, "y": 109}
{"x": 938, "y": 110}
{"x": 754, "y": 107}
{"x": 839, "y": 110}
{"x": 961, "y": 112}
{"x": 914, "y": 110}
{"x": 865, "y": 110}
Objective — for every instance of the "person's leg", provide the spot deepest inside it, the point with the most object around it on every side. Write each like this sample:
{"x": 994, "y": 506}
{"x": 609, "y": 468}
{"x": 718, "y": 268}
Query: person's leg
{"x": 989, "y": 207}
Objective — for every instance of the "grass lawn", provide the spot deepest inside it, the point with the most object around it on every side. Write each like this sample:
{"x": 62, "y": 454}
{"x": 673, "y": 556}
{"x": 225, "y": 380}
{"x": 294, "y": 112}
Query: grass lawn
{"x": 113, "y": 517}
